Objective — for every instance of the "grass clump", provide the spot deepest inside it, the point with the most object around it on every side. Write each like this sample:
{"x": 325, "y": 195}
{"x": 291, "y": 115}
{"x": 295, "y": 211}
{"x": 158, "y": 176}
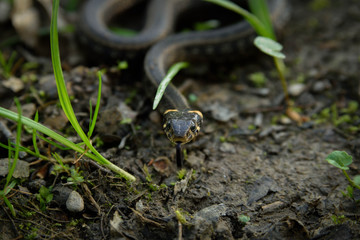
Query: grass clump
{"x": 9, "y": 185}
{"x": 85, "y": 148}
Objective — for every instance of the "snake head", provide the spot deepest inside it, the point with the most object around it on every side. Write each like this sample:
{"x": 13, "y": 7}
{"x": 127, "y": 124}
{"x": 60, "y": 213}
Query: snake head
{"x": 182, "y": 126}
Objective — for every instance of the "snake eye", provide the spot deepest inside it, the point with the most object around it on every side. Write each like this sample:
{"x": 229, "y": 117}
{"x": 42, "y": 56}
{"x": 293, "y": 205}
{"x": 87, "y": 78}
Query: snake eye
{"x": 193, "y": 129}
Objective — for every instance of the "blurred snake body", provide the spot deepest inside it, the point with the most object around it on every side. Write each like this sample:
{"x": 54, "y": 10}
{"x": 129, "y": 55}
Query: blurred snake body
{"x": 163, "y": 48}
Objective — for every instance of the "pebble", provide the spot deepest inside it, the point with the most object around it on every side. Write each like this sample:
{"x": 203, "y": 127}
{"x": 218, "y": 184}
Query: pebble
{"x": 227, "y": 148}
{"x": 47, "y": 84}
{"x": 210, "y": 215}
{"x": 320, "y": 86}
{"x": 14, "y": 83}
{"x": 274, "y": 206}
{"x": 196, "y": 160}
{"x": 296, "y": 89}
{"x": 22, "y": 169}
{"x": 28, "y": 110}
{"x": 75, "y": 203}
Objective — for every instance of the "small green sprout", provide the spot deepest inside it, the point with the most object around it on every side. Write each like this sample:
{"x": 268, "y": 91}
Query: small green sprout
{"x": 44, "y": 197}
{"x": 342, "y": 160}
{"x": 338, "y": 219}
{"x": 121, "y": 65}
{"x": 243, "y": 218}
{"x": 259, "y": 19}
{"x": 126, "y": 121}
{"x": 181, "y": 218}
{"x": 181, "y": 174}
{"x": 11, "y": 184}
{"x": 339, "y": 159}
{"x": 75, "y": 177}
{"x": 206, "y": 25}
{"x": 258, "y": 79}
{"x": 269, "y": 47}
{"x": 6, "y": 65}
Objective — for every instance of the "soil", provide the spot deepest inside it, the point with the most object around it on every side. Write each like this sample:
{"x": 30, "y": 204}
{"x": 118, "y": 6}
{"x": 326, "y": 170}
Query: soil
{"x": 251, "y": 174}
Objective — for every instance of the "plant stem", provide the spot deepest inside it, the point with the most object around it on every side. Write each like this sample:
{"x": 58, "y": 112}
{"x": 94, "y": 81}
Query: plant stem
{"x": 350, "y": 181}
{"x": 280, "y": 67}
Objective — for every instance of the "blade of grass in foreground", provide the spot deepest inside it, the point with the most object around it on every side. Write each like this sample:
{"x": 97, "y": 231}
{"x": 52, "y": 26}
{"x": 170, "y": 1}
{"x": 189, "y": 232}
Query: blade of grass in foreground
{"x": 174, "y": 69}
{"x": 65, "y": 100}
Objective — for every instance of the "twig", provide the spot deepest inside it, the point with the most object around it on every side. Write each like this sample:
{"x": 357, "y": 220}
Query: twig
{"x": 146, "y": 219}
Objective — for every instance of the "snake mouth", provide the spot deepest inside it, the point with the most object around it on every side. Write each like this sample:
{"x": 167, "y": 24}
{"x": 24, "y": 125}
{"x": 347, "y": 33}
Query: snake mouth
{"x": 184, "y": 139}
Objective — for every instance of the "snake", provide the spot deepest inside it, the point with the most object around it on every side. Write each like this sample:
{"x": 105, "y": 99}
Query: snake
{"x": 162, "y": 48}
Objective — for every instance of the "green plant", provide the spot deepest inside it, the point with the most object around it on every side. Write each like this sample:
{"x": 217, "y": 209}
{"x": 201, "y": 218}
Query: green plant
{"x": 64, "y": 98}
{"x": 259, "y": 19}
{"x": 180, "y": 216}
{"x": 12, "y": 165}
{"x": 243, "y": 218}
{"x": 75, "y": 175}
{"x": 7, "y": 64}
{"x": 181, "y": 174}
{"x": 342, "y": 160}
{"x": 338, "y": 219}
{"x": 44, "y": 197}
{"x": 152, "y": 186}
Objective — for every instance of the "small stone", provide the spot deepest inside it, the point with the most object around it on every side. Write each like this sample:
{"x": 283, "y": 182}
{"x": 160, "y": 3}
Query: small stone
{"x": 227, "y": 148}
{"x": 22, "y": 169}
{"x": 320, "y": 86}
{"x": 285, "y": 120}
{"x": 273, "y": 206}
{"x": 75, "y": 203}
{"x": 13, "y": 83}
{"x": 195, "y": 161}
{"x": 47, "y": 85}
{"x": 28, "y": 110}
{"x": 296, "y": 89}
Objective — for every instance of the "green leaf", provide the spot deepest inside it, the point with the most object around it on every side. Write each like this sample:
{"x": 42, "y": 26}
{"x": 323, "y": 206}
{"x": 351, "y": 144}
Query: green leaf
{"x": 339, "y": 159}
{"x": 174, "y": 69}
{"x": 254, "y": 21}
{"x": 243, "y": 218}
{"x": 269, "y": 46}
{"x": 350, "y": 191}
{"x": 357, "y": 180}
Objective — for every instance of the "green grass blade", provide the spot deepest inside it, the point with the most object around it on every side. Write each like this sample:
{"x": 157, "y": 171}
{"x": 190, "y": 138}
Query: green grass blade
{"x": 36, "y": 149}
{"x": 260, "y": 9}
{"x": 30, "y": 123}
{"x": 65, "y": 100}
{"x": 10, "y": 206}
{"x": 12, "y": 166}
{"x": 174, "y": 69}
{"x": 255, "y": 22}
{"x": 49, "y": 141}
{"x": 24, "y": 149}
{"x": 97, "y": 107}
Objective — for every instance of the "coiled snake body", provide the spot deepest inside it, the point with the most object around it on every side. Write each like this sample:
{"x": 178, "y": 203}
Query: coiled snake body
{"x": 181, "y": 124}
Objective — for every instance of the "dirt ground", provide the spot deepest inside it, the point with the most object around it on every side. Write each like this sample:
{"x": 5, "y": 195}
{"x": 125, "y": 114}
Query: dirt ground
{"x": 251, "y": 174}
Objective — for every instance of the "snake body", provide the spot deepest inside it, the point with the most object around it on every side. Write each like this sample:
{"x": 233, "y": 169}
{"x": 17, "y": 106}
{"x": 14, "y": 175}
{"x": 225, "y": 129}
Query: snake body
{"x": 180, "y": 123}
